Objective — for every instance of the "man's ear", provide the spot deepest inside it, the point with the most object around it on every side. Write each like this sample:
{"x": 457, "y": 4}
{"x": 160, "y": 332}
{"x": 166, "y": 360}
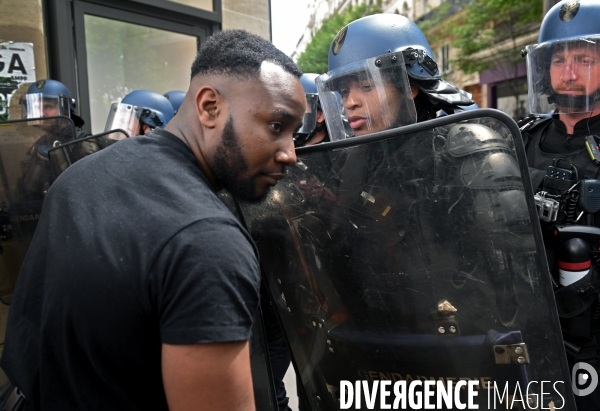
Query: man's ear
{"x": 208, "y": 106}
{"x": 320, "y": 116}
{"x": 414, "y": 89}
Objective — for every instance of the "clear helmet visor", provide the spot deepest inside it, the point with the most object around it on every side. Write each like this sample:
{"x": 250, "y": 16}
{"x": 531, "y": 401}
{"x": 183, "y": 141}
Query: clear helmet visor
{"x": 125, "y": 117}
{"x": 564, "y": 75}
{"x": 37, "y": 105}
{"x": 366, "y": 97}
{"x": 310, "y": 115}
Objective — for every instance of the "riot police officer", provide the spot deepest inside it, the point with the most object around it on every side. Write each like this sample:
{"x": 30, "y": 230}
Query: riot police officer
{"x": 46, "y": 98}
{"x": 382, "y": 76}
{"x": 313, "y": 128}
{"x": 562, "y": 154}
{"x": 139, "y": 112}
{"x": 175, "y": 97}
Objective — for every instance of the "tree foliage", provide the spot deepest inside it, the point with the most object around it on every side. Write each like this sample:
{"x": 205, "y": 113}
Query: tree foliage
{"x": 314, "y": 58}
{"x": 496, "y": 25}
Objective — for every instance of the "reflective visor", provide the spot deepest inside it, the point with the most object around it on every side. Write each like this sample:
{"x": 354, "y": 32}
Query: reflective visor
{"x": 564, "y": 76}
{"x": 366, "y": 97}
{"x": 37, "y": 105}
{"x": 125, "y": 117}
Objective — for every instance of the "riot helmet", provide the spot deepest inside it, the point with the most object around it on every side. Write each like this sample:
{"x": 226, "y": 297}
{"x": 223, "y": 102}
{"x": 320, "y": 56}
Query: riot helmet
{"x": 138, "y": 108}
{"x": 309, "y": 123}
{"x": 175, "y": 97}
{"x": 380, "y": 34}
{"x": 563, "y": 68}
{"x": 366, "y": 96}
{"x": 49, "y": 98}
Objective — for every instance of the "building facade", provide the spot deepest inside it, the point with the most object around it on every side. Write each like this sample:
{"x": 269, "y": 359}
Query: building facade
{"x": 102, "y": 49}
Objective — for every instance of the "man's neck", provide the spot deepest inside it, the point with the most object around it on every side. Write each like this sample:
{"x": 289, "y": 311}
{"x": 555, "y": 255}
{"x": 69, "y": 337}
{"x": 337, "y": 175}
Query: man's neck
{"x": 569, "y": 120}
{"x": 190, "y": 133}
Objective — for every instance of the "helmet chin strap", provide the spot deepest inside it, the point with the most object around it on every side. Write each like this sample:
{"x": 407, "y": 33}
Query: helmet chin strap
{"x": 576, "y": 102}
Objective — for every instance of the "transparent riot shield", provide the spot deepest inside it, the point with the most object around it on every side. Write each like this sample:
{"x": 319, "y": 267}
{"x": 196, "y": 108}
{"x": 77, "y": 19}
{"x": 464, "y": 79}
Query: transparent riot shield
{"x": 63, "y": 155}
{"x": 25, "y": 176}
{"x": 415, "y": 255}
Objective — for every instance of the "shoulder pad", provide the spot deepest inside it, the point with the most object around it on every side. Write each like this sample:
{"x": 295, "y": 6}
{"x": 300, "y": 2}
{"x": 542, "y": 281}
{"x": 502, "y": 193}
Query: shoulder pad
{"x": 467, "y": 138}
{"x": 530, "y": 122}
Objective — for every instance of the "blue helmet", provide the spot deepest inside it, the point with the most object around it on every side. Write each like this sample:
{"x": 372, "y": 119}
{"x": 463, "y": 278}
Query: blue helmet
{"x": 380, "y": 34}
{"x": 49, "y": 89}
{"x": 570, "y": 19}
{"x": 308, "y": 83}
{"x": 157, "y": 110}
{"x": 175, "y": 97}
{"x": 309, "y": 123}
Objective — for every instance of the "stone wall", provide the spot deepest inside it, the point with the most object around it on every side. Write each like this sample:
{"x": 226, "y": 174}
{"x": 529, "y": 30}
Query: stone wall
{"x": 251, "y": 15}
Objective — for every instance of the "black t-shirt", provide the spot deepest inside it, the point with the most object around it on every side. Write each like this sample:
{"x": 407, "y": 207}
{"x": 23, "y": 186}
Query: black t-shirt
{"x": 133, "y": 249}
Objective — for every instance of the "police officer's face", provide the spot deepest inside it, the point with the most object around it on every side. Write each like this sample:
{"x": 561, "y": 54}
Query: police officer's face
{"x": 50, "y": 108}
{"x": 257, "y": 138}
{"x": 363, "y": 105}
{"x": 575, "y": 71}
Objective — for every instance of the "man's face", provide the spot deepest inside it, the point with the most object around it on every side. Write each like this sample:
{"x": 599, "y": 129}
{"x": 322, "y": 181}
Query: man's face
{"x": 575, "y": 71}
{"x": 257, "y": 138}
{"x": 363, "y": 105}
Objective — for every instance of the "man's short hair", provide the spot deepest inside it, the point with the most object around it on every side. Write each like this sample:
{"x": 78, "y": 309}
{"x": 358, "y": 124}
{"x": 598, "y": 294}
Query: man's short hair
{"x": 238, "y": 53}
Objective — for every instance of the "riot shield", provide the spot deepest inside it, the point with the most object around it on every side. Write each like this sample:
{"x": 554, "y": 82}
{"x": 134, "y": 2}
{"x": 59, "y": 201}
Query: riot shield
{"x": 26, "y": 176}
{"x": 413, "y": 257}
{"x": 64, "y": 155}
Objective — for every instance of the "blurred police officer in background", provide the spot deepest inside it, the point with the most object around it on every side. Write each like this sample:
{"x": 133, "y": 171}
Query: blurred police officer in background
{"x": 564, "y": 161}
{"x": 139, "y": 112}
{"x": 46, "y": 98}
{"x": 175, "y": 97}
{"x": 313, "y": 128}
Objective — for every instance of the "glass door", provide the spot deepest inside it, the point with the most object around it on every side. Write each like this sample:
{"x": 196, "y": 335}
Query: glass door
{"x": 118, "y": 51}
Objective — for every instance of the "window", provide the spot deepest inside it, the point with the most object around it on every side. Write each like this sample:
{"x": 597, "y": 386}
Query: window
{"x": 106, "y": 48}
{"x": 122, "y": 57}
{"x": 198, "y": 4}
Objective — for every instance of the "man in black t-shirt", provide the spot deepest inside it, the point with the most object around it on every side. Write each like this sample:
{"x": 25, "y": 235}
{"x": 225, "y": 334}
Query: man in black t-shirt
{"x": 140, "y": 286}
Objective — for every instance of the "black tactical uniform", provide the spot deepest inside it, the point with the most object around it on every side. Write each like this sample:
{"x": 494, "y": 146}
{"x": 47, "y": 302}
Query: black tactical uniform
{"x": 546, "y": 141}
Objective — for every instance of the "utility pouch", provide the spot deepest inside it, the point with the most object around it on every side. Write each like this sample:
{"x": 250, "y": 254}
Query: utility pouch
{"x": 557, "y": 186}
{"x": 560, "y": 177}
